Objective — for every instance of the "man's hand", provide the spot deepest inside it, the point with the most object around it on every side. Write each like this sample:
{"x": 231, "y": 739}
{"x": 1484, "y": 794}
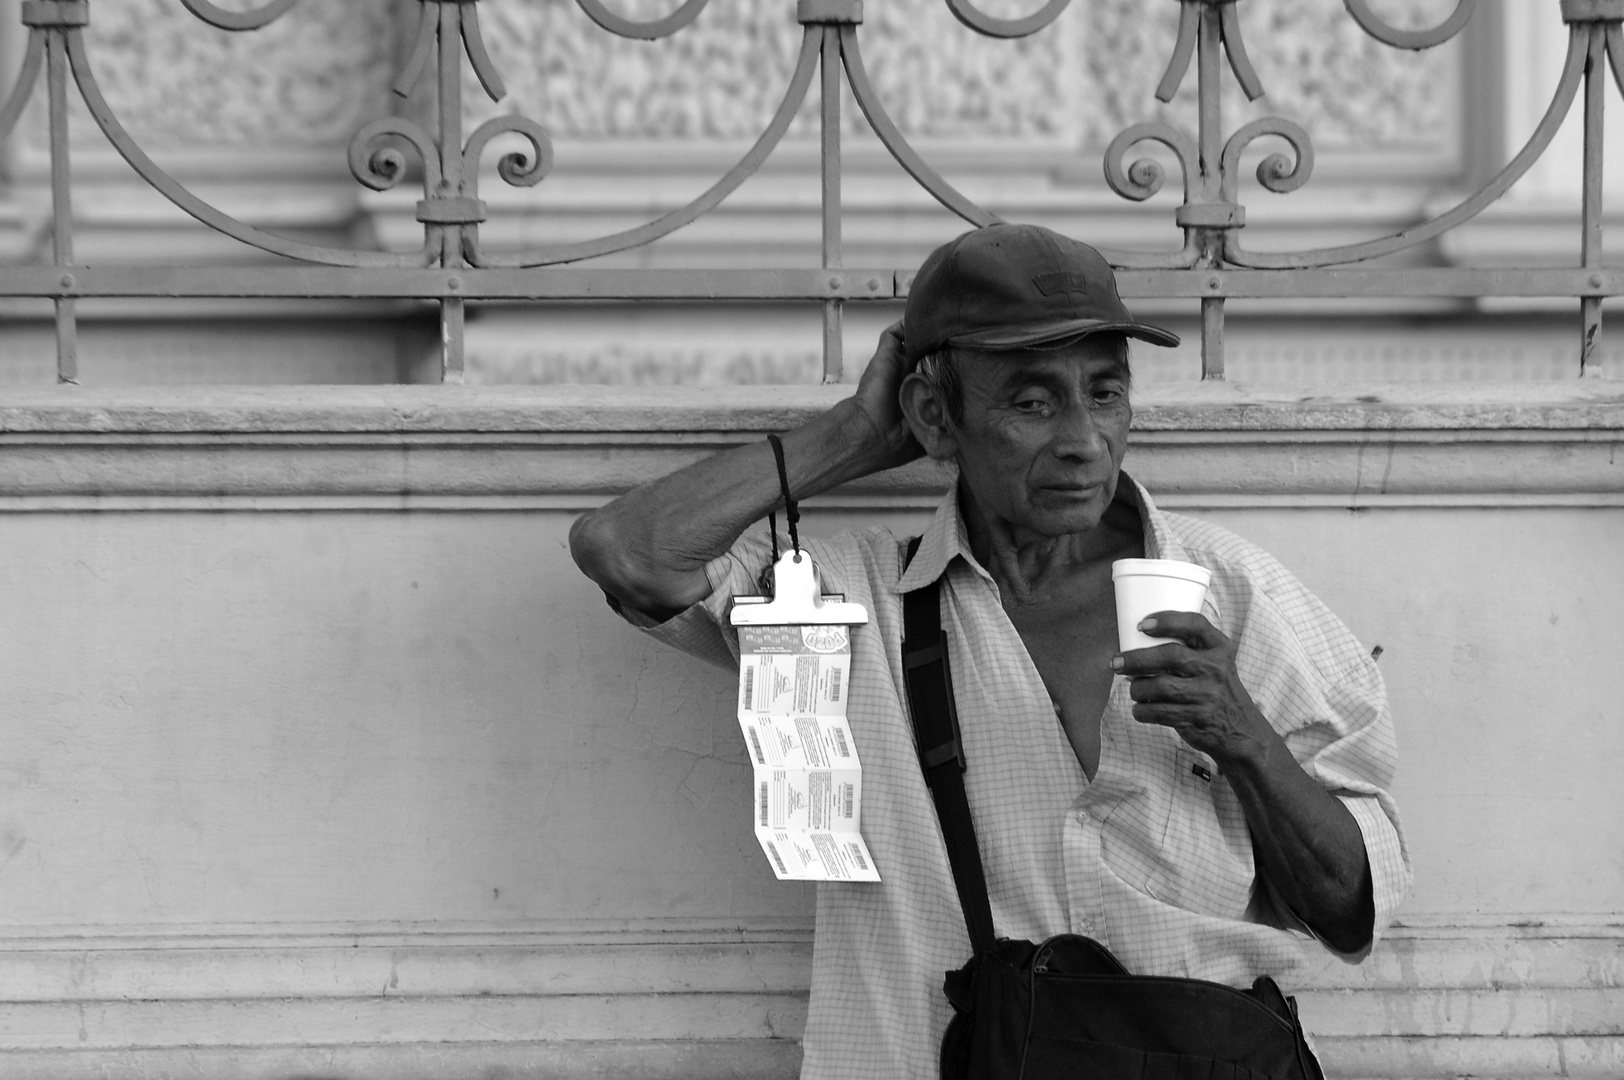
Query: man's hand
{"x": 1191, "y": 686}
{"x": 649, "y": 548}
{"x": 876, "y": 401}
{"x": 1307, "y": 844}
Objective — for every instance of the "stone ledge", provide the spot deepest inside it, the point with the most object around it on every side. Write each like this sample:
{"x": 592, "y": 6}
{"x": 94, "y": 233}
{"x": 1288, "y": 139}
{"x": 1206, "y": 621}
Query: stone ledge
{"x": 1588, "y": 405}
{"x": 569, "y": 448}
{"x": 1491, "y": 999}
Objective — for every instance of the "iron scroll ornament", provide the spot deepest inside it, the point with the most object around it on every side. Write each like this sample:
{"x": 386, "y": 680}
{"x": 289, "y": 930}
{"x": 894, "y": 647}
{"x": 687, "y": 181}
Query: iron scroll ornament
{"x": 239, "y": 20}
{"x": 650, "y": 30}
{"x": 380, "y": 164}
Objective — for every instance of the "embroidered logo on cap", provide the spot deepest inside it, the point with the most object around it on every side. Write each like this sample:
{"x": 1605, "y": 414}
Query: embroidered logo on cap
{"x": 1056, "y": 281}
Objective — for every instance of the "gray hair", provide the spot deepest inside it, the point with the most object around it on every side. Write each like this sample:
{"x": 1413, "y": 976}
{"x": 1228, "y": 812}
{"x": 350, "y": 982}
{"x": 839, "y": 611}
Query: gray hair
{"x": 941, "y": 371}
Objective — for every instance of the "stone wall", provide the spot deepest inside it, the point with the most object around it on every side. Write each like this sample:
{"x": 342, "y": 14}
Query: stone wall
{"x": 324, "y": 760}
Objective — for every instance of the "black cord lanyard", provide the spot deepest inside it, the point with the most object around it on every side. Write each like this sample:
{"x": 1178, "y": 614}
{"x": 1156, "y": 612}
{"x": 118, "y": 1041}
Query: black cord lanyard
{"x": 792, "y": 514}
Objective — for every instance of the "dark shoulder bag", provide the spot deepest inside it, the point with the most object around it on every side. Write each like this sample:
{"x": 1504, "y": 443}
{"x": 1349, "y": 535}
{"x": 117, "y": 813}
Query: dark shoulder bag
{"x": 1066, "y": 1009}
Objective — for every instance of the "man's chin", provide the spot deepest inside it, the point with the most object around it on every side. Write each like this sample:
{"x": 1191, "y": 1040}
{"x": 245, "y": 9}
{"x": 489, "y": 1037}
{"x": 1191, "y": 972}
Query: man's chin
{"x": 1052, "y": 519}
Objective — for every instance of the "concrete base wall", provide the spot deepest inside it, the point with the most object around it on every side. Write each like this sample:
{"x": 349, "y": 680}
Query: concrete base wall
{"x": 321, "y": 758}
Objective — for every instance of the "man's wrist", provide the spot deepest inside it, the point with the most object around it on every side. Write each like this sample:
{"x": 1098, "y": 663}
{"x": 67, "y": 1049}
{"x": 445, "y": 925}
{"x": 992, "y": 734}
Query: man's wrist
{"x": 848, "y": 443}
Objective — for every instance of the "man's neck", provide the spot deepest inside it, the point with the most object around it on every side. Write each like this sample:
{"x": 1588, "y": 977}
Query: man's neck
{"x": 1030, "y": 567}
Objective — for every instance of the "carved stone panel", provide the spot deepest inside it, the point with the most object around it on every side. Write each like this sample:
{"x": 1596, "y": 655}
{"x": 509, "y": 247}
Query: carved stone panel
{"x": 322, "y": 71}
{"x": 309, "y": 79}
{"x": 1078, "y": 82}
{"x": 1348, "y": 90}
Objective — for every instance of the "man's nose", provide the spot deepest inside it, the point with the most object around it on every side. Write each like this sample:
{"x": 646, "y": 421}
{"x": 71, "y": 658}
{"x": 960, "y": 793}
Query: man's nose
{"x": 1079, "y": 436}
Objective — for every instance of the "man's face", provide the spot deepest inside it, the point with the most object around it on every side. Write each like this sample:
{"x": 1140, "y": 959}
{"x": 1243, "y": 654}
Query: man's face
{"x": 1043, "y": 433}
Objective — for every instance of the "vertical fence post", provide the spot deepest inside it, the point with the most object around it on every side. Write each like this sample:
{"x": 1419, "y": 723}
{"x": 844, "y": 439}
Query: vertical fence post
{"x": 453, "y": 316}
{"x": 1209, "y": 146}
{"x": 1590, "y": 354}
{"x": 831, "y": 15}
{"x": 833, "y": 346}
{"x": 57, "y": 18}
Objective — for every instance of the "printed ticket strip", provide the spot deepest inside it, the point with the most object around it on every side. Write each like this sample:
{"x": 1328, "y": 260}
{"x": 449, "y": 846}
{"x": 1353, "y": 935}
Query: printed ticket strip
{"x": 792, "y": 709}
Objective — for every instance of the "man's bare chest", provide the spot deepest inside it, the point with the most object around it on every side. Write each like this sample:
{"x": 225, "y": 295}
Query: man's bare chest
{"x": 1071, "y": 645}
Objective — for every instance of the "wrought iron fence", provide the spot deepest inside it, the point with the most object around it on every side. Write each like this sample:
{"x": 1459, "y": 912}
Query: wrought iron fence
{"x": 454, "y": 268}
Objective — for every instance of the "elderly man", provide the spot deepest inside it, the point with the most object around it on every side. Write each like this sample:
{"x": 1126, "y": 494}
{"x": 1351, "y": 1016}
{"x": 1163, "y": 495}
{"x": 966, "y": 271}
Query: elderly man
{"x": 1200, "y": 807}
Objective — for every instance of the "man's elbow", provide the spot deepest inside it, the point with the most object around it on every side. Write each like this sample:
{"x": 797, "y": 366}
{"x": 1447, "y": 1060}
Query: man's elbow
{"x": 620, "y": 567}
{"x": 1349, "y": 931}
{"x": 600, "y": 552}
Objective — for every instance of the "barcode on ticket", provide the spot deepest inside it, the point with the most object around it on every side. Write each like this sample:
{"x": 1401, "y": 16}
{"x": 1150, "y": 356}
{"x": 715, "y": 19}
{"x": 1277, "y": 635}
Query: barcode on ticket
{"x": 761, "y": 804}
{"x": 856, "y": 854}
{"x": 778, "y": 859}
{"x": 834, "y": 684}
{"x": 749, "y": 686}
{"x": 840, "y": 741}
{"x": 847, "y": 791}
{"x": 755, "y": 746}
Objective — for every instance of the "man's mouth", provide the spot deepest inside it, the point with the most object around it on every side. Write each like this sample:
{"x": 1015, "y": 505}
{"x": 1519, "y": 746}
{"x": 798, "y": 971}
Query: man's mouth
{"x": 1072, "y": 490}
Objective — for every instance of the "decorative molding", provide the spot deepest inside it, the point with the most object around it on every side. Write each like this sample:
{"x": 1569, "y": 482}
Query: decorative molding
{"x": 571, "y": 447}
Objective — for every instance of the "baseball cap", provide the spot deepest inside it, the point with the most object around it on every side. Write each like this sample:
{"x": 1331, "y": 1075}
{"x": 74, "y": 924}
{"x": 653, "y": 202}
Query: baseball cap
{"x": 1011, "y": 286}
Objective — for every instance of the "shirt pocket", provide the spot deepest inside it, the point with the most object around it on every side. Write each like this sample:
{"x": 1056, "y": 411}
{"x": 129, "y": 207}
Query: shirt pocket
{"x": 1205, "y": 861}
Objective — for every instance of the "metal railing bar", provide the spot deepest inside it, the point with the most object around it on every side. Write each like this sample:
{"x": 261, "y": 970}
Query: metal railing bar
{"x": 428, "y": 24}
{"x": 1326, "y": 283}
{"x": 167, "y": 186}
{"x": 433, "y": 283}
{"x": 1209, "y": 50}
{"x": 453, "y": 337}
{"x": 892, "y": 139}
{"x": 1183, "y": 48}
{"x": 1590, "y": 225}
{"x": 23, "y": 89}
{"x": 800, "y": 82}
{"x": 473, "y": 41}
{"x": 790, "y": 283}
{"x": 453, "y": 316}
{"x": 1615, "y": 54}
{"x": 67, "y": 328}
{"x": 1235, "y": 45}
{"x": 1566, "y": 90}
{"x": 833, "y": 347}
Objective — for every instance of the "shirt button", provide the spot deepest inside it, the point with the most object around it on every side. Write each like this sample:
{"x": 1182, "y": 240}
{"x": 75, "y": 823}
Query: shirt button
{"x": 1086, "y": 926}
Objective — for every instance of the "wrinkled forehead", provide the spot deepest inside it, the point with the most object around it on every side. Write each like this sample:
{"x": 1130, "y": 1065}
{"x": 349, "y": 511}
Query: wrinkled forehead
{"x": 1097, "y": 356}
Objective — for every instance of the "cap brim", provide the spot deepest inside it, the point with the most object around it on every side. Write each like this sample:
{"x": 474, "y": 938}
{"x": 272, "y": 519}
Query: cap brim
{"x": 1060, "y": 332}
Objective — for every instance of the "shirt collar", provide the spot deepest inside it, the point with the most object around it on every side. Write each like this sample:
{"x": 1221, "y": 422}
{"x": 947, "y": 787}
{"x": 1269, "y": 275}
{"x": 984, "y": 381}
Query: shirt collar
{"x": 945, "y": 538}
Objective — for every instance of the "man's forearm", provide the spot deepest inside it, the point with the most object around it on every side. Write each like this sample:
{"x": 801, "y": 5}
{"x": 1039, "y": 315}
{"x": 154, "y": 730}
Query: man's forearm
{"x": 649, "y": 547}
{"x": 1308, "y": 845}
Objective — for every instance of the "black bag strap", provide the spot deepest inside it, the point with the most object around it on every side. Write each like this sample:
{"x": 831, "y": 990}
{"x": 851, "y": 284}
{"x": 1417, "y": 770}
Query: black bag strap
{"x": 941, "y": 751}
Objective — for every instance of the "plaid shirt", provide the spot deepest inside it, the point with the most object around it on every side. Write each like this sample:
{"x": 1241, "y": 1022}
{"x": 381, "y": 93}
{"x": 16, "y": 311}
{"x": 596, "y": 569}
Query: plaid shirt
{"x": 1152, "y": 857}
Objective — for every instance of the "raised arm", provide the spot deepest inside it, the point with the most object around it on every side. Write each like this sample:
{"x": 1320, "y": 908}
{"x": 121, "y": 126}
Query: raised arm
{"x": 648, "y": 548}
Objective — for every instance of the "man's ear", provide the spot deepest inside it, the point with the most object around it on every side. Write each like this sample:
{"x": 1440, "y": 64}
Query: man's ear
{"x": 926, "y": 412}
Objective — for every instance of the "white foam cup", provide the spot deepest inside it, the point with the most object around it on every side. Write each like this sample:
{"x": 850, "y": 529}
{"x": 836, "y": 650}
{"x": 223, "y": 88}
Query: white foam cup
{"x": 1146, "y": 586}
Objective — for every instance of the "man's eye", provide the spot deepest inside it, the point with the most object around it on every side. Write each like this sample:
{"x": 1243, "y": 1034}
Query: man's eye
{"x": 1106, "y": 395}
{"x": 1032, "y": 405}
